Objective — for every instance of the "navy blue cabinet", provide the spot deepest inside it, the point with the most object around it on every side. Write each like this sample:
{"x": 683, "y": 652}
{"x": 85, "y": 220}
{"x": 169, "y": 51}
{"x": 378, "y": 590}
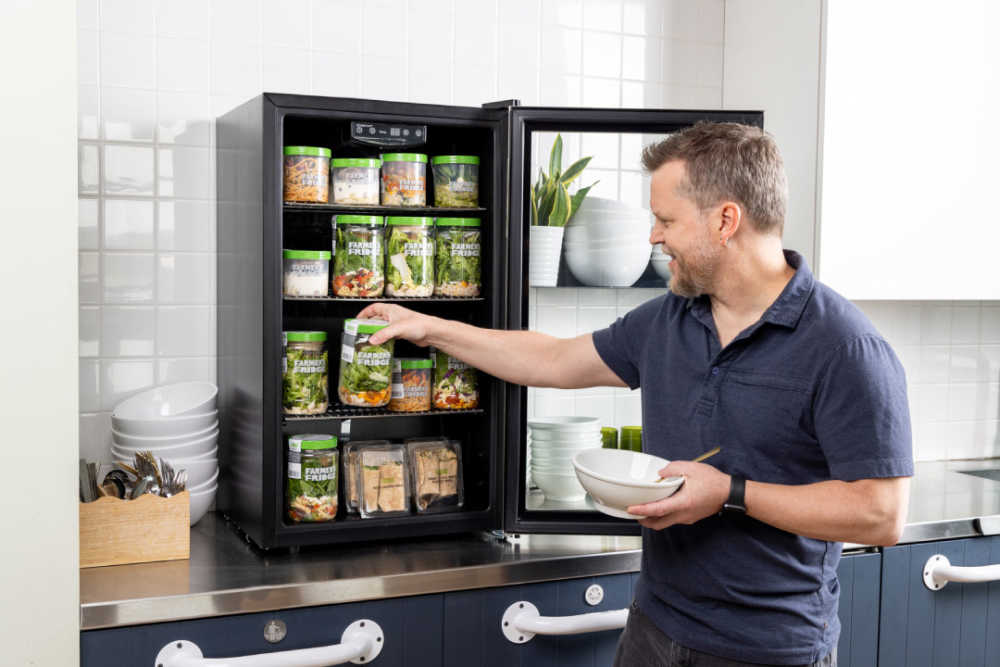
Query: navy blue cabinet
{"x": 957, "y": 626}
{"x": 859, "y": 576}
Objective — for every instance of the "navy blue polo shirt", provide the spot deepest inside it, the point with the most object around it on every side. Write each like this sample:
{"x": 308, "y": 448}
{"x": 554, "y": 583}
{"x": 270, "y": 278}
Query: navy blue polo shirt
{"x": 810, "y": 392}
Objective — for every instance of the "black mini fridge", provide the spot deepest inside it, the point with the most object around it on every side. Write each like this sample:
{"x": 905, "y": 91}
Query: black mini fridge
{"x": 254, "y": 225}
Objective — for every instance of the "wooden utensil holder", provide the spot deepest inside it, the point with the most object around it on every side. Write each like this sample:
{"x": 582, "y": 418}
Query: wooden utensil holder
{"x": 149, "y": 528}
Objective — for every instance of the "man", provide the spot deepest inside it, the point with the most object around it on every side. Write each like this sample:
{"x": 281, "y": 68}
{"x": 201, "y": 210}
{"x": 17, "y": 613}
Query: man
{"x": 748, "y": 352}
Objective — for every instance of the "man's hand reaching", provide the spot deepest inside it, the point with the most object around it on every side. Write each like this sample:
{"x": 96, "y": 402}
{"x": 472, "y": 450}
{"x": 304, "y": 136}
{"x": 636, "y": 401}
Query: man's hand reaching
{"x": 704, "y": 491}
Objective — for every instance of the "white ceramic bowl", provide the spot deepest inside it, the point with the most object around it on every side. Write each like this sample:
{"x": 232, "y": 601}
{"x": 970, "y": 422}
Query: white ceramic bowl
{"x": 568, "y": 423}
{"x": 616, "y": 479}
{"x": 211, "y": 482}
{"x": 200, "y": 502}
{"x": 141, "y": 442}
{"x": 182, "y": 451}
{"x": 126, "y": 456}
{"x": 171, "y": 400}
{"x": 164, "y": 427}
{"x": 560, "y": 439}
{"x": 542, "y": 454}
{"x": 558, "y": 486}
{"x": 662, "y": 267}
{"x": 617, "y": 266}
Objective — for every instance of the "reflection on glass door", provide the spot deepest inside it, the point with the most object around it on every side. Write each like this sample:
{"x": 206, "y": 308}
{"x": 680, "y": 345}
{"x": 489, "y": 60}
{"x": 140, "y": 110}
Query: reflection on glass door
{"x": 604, "y": 247}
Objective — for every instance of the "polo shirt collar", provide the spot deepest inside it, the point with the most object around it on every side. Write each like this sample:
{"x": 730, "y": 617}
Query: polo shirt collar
{"x": 786, "y": 309}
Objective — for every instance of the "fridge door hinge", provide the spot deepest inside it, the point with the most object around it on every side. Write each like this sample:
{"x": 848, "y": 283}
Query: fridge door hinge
{"x": 502, "y": 104}
{"x": 500, "y": 536}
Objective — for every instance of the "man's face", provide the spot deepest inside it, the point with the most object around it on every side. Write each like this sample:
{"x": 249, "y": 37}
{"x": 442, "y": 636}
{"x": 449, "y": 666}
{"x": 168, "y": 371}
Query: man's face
{"x": 683, "y": 232}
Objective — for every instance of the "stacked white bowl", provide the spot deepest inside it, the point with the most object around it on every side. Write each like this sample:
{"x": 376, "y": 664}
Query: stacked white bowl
{"x": 607, "y": 243}
{"x": 178, "y": 423}
{"x": 553, "y": 442}
{"x": 661, "y": 262}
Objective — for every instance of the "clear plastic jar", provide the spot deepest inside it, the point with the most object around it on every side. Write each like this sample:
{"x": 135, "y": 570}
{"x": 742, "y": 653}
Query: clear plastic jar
{"x": 384, "y": 481}
{"x": 352, "y": 471}
{"x": 355, "y": 180}
{"x": 411, "y": 385}
{"x": 311, "y": 491}
{"x": 307, "y": 174}
{"x": 358, "y": 255}
{"x": 435, "y": 474}
{"x": 306, "y": 272}
{"x": 365, "y": 369}
{"x": 304, "y": 373}
{"x": 404, "y": 179}
{"x": 456, "y": 180}
{"x": 458, "y": 265}
{"x": 456, "y": 383}
{"x": 409, "y": 265}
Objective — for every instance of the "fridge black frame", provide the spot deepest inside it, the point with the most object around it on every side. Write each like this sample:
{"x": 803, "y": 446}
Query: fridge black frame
{"x": 524, "y": 121}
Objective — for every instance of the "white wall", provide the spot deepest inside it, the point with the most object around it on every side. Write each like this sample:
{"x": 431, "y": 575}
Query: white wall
{"x": 39, "y": 617}
{"x": 153, "y": 75}
{"x": 950, "y": 349}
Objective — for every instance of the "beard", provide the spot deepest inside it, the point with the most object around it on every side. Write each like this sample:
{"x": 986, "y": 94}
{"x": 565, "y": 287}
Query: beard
{"x": 696, "y": 271}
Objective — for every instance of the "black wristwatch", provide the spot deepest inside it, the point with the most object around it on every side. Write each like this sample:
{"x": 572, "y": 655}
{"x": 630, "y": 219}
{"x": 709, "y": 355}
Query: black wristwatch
{"x": 736, "y": 503}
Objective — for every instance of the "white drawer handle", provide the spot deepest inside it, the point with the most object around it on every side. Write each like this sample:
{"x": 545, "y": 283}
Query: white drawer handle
{"x": 522, "y": 621}
{"x": 938, "y": 572}
{"x": 361, "y": 643}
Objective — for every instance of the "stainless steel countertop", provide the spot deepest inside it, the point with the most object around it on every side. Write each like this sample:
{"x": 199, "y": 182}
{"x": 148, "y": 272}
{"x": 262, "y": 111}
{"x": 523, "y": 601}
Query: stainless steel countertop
{"x": 225, "y": 575}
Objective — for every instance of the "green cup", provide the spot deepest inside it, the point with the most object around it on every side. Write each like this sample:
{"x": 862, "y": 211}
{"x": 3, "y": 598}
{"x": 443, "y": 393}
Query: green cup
{"x": 609, "y": 437}
{"x": 631, "y": 438}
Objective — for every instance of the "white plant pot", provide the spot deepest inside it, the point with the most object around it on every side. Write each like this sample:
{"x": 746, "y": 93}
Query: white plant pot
{"x": 544, "y": 250}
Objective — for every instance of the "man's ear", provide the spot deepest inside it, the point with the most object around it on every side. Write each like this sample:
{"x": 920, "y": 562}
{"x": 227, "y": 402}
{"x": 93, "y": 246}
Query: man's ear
{"x": 729, "y": 220}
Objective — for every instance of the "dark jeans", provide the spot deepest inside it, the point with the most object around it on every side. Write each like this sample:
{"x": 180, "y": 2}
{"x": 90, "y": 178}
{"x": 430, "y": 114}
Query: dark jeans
{"x": 642, "y": 644}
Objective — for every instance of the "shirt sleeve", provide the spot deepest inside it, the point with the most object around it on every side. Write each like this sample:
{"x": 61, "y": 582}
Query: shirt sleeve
{"x": 621, "y": 345}
{"x": 861, "y": 412}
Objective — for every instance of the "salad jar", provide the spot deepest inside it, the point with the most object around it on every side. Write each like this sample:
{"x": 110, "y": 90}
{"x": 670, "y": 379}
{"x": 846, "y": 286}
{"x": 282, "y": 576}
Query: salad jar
{"x": 404, "y": 179}
{"x": 306, "y": 272}
{"x": 457, "y": 260}
{"x": 307, "y": 174}
{"x": 409, "y": 257}
{"x": 456, "y": 180}
{"x": 311, "y": 491}
{"x": 365, "y": 369}
{"x": 355, "y": 180}
{"x": 304, "y": 387}
{"x": 411, "y": 385}
{"x": 456, "y": 386}
{"x": 358, "y": 251}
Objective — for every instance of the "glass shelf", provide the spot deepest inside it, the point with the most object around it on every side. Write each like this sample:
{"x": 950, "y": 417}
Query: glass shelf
{"x": 432, "y": 211}
{"x": 346, "y": 412}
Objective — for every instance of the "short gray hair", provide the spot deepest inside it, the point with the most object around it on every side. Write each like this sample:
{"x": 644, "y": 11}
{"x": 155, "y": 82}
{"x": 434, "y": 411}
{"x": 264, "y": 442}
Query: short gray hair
{"x": 728, "y": 161}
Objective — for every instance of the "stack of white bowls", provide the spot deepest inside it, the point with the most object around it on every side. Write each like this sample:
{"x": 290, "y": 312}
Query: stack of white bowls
{"x": 552, "y": 443}
{"x": 661, "y": 262}
{"x": 607, "y": 243}
{"x": 178, "y": 423}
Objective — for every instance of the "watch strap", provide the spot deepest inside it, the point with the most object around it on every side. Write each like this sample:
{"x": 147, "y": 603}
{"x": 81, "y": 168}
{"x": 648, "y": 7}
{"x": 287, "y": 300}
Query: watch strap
{"x": 736, "y": 503}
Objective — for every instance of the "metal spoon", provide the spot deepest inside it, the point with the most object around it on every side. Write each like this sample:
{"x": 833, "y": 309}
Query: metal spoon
{"x": 699, "y": 458}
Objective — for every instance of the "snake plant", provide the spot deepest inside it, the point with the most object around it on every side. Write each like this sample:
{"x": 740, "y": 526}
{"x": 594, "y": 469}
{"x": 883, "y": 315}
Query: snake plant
{"x": 551, "y": 202}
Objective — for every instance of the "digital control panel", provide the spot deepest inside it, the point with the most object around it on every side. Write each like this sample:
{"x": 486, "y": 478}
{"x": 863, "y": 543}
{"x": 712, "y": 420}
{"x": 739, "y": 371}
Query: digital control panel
{"x": 388, "y": 134}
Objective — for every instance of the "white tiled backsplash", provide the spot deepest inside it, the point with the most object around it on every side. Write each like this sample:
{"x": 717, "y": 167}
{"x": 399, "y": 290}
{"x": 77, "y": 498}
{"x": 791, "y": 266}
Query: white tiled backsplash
{"x": 153, "y": 74}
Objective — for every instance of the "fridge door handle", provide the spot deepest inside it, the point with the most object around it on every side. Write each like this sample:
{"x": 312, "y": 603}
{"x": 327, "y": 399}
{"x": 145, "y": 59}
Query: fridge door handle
{"x": 360, "y": 644}
{"x": 938, "y": 571}
{"x": 522, "y": 621}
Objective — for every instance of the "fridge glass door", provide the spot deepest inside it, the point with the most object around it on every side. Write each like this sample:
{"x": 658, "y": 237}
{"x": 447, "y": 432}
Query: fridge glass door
{"x": 570, "y": 281}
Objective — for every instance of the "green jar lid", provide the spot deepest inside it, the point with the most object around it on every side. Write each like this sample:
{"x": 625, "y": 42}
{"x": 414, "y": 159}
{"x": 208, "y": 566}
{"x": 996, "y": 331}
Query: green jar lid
{"x": 400, "y": 220}
{"x": 312, "y": 441}
{"x": 305, "y": 336}
{"x": 370, "y": 162}
{"x": 369, "y": 220}
{"x": 306, "y": 254}
{"x": 404, "y": 157}
{"x": 457, "y": 222}
{"x": 315, "y": 151}
{"x": 455, "y": 159}
{"x": 364, "y": 326}
{"x": 411, "y": 364}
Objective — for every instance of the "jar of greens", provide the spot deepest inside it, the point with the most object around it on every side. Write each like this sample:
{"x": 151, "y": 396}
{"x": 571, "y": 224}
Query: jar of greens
{"x": 307, "y": 174}
{"x": 304, "y": 388}
{"x": 358, "y": 251}
{"x": 456, "y": 180}
{"x": 365, "y": 369}
{"x": 409, "y": 257}
{"x": 457, "y": 260}
{"x": 404, "y": 179}
{"x": 456, "y": 386}
{"x": 311, "y": 491}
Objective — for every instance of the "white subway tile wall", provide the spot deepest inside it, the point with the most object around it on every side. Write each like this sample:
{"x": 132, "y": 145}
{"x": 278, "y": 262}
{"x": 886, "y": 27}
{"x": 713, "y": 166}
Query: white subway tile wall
{"x": 153, "y": 75}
